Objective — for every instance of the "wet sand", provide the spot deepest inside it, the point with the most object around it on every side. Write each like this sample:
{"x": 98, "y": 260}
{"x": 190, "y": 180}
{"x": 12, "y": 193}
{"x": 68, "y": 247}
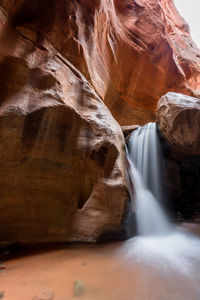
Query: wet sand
{"x": 105, "y": 271}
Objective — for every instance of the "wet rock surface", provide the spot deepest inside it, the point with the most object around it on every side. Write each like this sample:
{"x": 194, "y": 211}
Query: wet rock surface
{"x": 180, "y": 178}
{"x": 178, "y": 118}
{"x": 129, "y": 129}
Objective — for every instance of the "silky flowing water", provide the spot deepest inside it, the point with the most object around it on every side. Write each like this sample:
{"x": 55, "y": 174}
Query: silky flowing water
{"x": 143, "y": 156}
{"x": 161, "y": 263}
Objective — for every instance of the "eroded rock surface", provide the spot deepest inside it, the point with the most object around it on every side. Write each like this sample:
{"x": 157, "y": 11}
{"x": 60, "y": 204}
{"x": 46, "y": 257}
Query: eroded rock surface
{"x": 61, "y": 151}
{"x": 178, "y": 116}
{"x": 132, "y": 52}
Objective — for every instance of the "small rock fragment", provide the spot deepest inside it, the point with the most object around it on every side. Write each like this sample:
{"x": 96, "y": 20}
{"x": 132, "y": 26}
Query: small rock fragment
{"x": 79, "y": 288}
{"x": 45, "y": 294}
{"x": 2, "y": 266}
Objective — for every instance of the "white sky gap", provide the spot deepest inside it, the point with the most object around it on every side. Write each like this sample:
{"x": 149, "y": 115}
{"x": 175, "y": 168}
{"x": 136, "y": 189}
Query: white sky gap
{"x": 190, "y": 11}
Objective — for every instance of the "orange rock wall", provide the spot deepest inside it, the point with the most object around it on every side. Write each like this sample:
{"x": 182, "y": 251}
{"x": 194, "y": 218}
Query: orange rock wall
{"x": 64, "y": 64}
{"x": 61, "y": 152}
{"x": 132, "y": 52}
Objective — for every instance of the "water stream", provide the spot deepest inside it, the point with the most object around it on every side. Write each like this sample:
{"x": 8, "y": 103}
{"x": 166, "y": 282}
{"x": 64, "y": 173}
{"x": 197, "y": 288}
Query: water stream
{"x": 143, "y": 155}
{"x": 159, "y": 242}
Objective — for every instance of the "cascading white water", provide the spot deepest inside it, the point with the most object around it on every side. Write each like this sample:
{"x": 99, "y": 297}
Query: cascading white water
{"x": 143, "y": 156}
{"x": 159, "y": 243}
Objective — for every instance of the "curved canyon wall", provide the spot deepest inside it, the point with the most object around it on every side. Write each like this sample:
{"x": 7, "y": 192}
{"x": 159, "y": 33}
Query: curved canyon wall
{"x": 131, "y": 51}
{"x": 61, "y": 156}
{"x": 69, "y": 71}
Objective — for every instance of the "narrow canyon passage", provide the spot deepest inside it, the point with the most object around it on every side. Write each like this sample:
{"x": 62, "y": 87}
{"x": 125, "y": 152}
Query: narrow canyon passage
{"x": 78, "y": 167}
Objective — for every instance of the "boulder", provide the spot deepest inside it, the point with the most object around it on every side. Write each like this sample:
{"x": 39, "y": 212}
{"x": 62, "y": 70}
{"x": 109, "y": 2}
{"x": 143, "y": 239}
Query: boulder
{"x": 178, "y": 117}
{"x": 61, "y": 151}
{"x": 129, "y": 129}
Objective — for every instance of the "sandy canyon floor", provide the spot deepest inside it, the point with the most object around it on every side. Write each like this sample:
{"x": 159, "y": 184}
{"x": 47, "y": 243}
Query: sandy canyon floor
{"x": 103, "y": 272}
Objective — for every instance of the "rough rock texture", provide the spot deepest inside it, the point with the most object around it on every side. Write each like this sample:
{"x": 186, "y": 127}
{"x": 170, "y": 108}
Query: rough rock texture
{"x": 61, "y": 151}
{"x": 178, "y": 117}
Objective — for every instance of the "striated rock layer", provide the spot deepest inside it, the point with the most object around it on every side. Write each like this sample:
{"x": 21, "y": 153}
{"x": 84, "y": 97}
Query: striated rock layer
{"x": 131, "y": 51}
{"x": 134, "y": 52}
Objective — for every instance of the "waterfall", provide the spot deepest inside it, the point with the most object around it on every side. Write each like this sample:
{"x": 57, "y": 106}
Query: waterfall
{"x": 163, "y": 245}
{"x": 143, "y": 156}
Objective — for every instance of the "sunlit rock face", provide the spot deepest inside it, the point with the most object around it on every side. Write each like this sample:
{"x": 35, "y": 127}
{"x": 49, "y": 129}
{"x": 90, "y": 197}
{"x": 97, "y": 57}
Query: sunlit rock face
{"x": 61, "y": 151}
{"x": 178, "y": 118}
{"x": 131, "y": 51}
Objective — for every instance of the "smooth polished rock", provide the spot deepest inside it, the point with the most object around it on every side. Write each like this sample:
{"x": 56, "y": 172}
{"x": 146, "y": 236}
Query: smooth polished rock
{"x": 61, "y": 151}
{"x": 178, "y": 117}
{"x": 132, "y": 52}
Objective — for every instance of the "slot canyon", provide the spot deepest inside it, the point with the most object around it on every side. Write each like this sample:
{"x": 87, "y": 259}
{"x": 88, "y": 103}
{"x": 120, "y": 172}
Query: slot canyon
{"x": 99, "y": 151}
